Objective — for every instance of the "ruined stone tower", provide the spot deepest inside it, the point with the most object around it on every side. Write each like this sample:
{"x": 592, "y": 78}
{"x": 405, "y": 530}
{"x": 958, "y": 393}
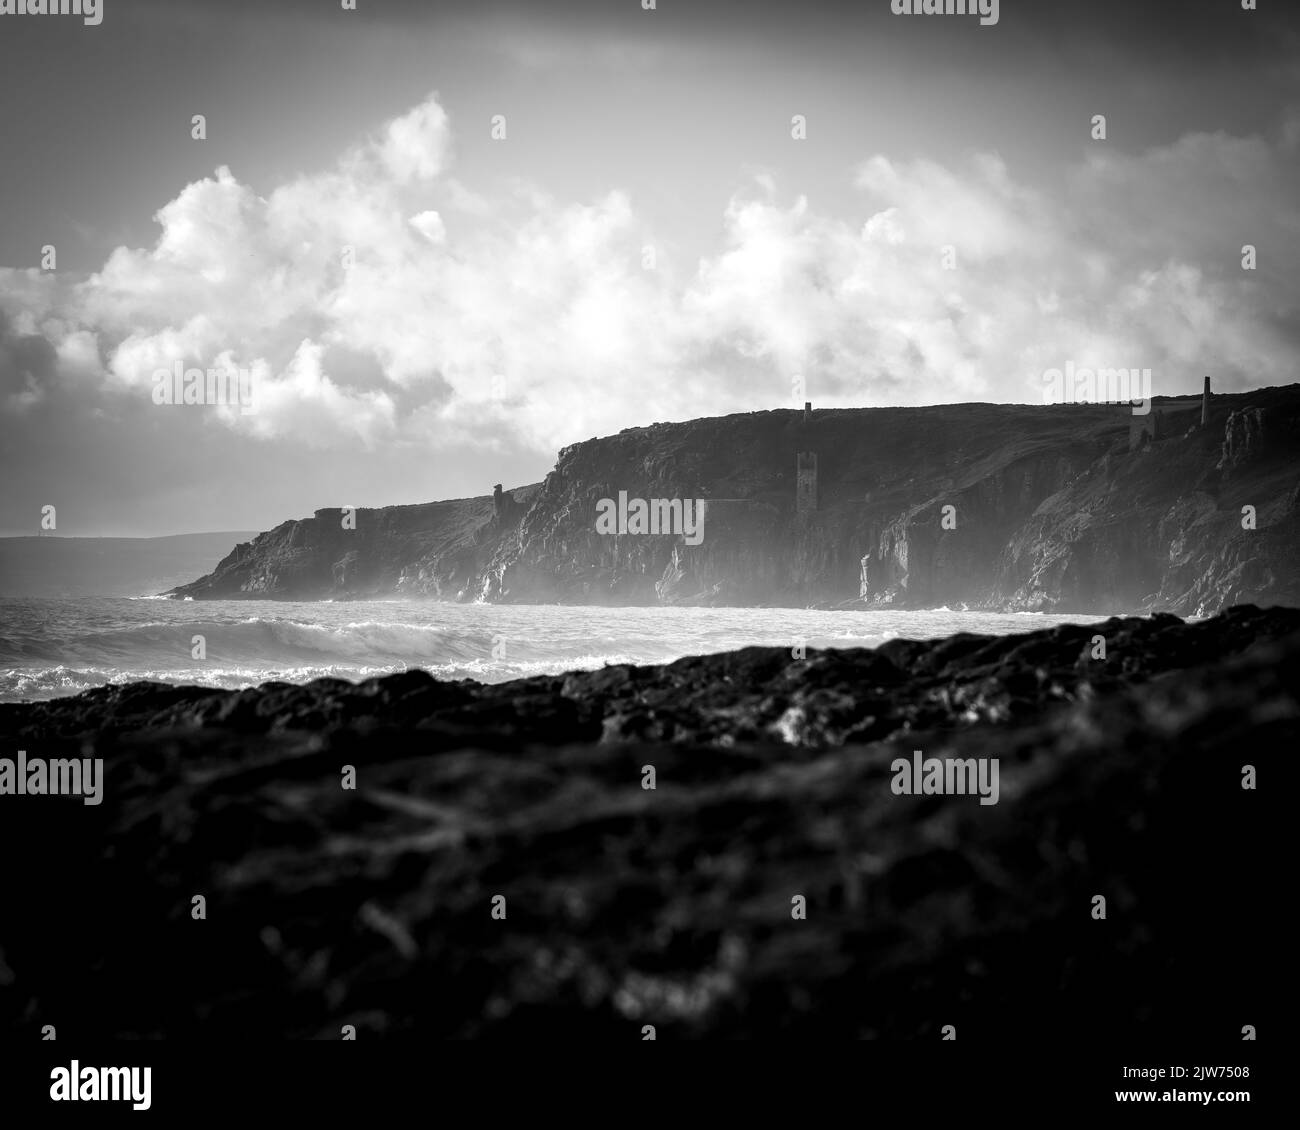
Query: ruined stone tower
{"x": 505, "y": 510}
{"x": 1205, "y": 404}
{"x": 1146, "y": 429}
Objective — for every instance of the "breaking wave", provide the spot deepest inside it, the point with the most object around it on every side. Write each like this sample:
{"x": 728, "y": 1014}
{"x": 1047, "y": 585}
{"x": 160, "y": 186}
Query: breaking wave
{"x": 51, "y": 648}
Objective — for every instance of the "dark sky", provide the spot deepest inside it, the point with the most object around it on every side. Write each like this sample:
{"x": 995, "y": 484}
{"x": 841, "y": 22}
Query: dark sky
{"x": 501, "y": 304}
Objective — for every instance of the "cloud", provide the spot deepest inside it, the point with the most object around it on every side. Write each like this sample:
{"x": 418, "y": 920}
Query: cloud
{"x": 964, "y": 284}
{"x": 414, "y": 146}
{"x": 429, "y": 224}
{"x": 384, "y": 302}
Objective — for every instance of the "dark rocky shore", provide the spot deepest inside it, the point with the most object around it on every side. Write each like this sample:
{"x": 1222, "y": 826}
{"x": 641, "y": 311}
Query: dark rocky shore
{"x": 1120, "y": 777}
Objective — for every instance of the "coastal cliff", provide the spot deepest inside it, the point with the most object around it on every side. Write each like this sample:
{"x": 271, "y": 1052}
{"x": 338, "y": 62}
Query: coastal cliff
{"x": 436, "y": 549}
{"x": 1065, "y": 508}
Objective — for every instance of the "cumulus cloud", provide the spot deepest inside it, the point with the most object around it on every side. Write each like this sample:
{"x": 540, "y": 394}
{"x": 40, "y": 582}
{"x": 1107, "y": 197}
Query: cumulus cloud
{"x": 414, "y": 146}
{"x": 964, "y": 284}
{"x": 383, "y": 301}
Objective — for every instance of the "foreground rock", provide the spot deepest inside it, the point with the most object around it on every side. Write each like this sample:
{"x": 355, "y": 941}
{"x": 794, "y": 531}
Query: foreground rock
{"x": 1119, "y": 777}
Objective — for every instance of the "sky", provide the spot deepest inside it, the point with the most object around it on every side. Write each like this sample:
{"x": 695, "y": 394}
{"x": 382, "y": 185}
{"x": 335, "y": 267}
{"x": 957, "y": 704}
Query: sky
{"x": 421, "y": 309}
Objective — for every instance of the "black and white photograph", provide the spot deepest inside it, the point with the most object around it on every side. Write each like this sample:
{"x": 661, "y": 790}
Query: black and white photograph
{"x": 580, "y": 523}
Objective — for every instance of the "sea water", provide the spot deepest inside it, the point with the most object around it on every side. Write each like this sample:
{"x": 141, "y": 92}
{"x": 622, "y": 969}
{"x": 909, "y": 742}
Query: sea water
{"x": 55, "y": 647}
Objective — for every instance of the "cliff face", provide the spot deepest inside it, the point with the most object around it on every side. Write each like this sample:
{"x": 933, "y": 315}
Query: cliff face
{"x": 988, "y": 506}
{"x": 434, "y": 550}
{"x": 1191, "y": 524}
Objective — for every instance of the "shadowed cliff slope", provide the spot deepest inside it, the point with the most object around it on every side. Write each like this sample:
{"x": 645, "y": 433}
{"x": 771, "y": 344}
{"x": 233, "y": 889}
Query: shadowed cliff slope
{"x": 1052, "y": 509}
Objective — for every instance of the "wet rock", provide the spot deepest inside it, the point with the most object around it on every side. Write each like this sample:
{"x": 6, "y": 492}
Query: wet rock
{"x": 672, "y": 906}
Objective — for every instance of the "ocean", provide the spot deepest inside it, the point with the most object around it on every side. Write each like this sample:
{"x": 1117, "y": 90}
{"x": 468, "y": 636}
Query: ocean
{"x": 50, "y": 648}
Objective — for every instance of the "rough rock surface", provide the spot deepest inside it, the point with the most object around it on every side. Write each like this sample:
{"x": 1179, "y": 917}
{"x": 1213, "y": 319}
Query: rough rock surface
{"x": 435, "y": 549}
{"x": 1052, "y": 511}
{"x": 1119, "y": 776}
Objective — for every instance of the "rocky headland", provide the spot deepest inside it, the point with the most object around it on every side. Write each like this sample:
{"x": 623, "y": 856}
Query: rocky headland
{"x": 1065, "y": 508}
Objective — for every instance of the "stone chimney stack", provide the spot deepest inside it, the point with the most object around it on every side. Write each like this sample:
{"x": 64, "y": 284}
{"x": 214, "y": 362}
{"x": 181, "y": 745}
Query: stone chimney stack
{"x": 807, "y": 411}
{"x": 1205, "y": 404}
